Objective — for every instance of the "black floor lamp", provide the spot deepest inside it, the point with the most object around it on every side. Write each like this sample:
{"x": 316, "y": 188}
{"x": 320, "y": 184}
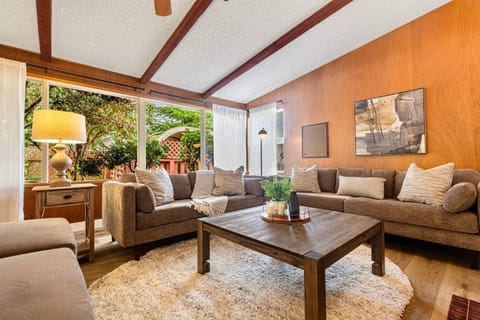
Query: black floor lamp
{"x": 262, "y": 134}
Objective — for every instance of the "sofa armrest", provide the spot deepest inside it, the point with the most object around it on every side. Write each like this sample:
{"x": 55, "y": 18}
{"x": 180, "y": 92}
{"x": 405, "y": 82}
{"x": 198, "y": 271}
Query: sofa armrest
{"x": 119, "y": 211}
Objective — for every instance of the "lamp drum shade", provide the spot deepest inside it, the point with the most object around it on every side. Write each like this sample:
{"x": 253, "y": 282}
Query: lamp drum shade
{"x": 53, "y": 126}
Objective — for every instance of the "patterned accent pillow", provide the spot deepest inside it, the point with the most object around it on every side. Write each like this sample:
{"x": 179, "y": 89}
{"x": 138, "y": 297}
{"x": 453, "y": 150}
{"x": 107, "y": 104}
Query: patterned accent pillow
{"x": 228, "y": 182}
{"x": 305, "y": 179}
{"x": 460, "y": 197}
{"x": 204, "y": 183}
{"x": 426, "y": 186}
{"x": 159, "y": 182}
{"x": 370, "y": 187}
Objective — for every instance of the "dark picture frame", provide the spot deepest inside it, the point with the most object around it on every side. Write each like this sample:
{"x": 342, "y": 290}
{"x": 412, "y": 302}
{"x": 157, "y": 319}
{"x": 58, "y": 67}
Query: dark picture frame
{"x": 393, "y": 124}
{"x": 315, "y": 140}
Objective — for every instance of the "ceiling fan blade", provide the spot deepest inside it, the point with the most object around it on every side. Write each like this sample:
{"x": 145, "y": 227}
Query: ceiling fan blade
{"x": 163, "y": 7}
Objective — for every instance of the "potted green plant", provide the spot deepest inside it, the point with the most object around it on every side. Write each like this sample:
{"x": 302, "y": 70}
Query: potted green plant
{"x": 279, "y": 191}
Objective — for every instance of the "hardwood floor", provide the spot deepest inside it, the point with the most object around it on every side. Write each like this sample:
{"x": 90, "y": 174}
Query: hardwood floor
{"x": 436, "y": 272}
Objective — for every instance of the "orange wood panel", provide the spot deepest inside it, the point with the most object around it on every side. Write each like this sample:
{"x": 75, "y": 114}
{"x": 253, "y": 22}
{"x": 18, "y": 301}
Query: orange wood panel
{"x": 72, "y": 214}
{"x": 438, "y": 51}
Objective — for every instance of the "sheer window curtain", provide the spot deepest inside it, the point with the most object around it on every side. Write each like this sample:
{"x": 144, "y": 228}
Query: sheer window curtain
{"x": 229, "y": 137}
{"x": 262, "y": 117}
{"x": 12, "y": 108}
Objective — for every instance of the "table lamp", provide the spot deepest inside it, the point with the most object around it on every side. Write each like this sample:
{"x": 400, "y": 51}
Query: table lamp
{"x": 53, "y": 126}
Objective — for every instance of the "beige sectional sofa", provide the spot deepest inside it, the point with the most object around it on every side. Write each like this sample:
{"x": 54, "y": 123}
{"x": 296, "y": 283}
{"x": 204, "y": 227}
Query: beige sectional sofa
{"x": 132, "y": 219}
{"x": 39, "y": 273}
{"x": 409, "y": 219}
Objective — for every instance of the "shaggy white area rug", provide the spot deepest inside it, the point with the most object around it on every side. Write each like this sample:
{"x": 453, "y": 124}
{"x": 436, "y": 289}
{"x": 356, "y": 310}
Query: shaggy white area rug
{"x": 243, "y": 284}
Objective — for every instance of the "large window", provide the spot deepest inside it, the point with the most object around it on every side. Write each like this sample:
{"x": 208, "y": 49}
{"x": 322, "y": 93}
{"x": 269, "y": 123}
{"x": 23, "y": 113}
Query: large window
{"x": 111, "y": 124}
{"x": 176, "y": 132}
{"x": 177, "y": 138}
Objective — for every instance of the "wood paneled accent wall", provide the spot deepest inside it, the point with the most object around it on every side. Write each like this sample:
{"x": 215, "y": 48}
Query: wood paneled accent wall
{"x": 439, "y": 52}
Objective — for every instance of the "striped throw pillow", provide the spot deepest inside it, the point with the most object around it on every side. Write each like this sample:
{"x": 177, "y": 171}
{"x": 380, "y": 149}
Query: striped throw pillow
{"x": 305, "y": 179}
{"x": 426, "y": 186}
{"x": 159, "y": 182}
{"x": 204, "y": 183}
{"x": 228, "y": 182}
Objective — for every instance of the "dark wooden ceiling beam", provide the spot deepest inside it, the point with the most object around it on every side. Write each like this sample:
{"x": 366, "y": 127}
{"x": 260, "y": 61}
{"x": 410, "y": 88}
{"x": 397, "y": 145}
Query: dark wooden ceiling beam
{"x": 44, "y": 21}
{"x": 320, "y": 15}
{"x": 187, "y": 23}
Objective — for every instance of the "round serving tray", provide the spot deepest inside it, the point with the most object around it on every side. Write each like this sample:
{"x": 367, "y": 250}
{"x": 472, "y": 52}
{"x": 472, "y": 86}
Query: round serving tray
{"x": 302, "y": 218}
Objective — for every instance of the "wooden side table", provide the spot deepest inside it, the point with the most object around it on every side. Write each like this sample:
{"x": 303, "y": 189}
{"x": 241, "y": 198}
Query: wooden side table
{"x": 76, "y": 194}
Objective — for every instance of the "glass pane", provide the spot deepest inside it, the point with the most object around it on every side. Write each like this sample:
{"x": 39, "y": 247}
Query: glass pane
{"x": 279, "y": 124}
{"x": 280, "y": 158}
{"x": 33, "y": 101}
{"x": 173, "y": 134}
{"x": 111, "y": 122}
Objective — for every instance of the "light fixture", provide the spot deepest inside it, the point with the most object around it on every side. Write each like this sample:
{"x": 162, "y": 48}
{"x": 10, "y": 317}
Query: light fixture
{"x": 53, "y": 126}
{"x": 262, "y": 134}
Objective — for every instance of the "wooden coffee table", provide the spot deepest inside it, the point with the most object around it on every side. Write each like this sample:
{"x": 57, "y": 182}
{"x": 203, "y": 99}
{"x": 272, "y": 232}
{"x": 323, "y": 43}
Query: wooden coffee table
{"x": 311, "y": 246}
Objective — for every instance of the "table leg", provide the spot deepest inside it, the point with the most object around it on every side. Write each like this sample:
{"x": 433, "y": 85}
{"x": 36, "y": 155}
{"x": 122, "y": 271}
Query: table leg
{"x": 314, "y": 283}
{"x": 378, "y": 252}
{"x": 203, "y": 239}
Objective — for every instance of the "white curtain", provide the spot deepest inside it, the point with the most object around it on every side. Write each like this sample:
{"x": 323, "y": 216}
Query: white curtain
{"x": 262, "y": 117}
{"x": 12, "y": 108}
{"x": 229, "y": 137}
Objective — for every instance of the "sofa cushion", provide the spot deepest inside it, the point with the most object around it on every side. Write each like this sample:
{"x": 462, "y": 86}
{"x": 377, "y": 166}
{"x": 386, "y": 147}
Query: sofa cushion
{"x": 43, "y": 285}
{"x": 327, "y": 179}
{"x": 389, "y": 176}
{"x": 323, "y": 200}
{"x": 399, "y": 177}
{"x": 466, "y": 175}
{"x": 159, "y": 182}
{"x": 413, "y": 213}
{"x": 144, "y": 197}
{"x": 176, "y": 211}
{"x": 371, "y": 187}
{"x": 18, "y": 237}
{"x": 426, "y": 186}
{"x": 252, "y": 186}
{"x": 238, "y": 202}
{"x": 228, "y": 182}
{"x": 181, "y": 186}
{"x": 460, "y": 197}
{"x": 305, "y": 179}
{"x": 204, "y": 184}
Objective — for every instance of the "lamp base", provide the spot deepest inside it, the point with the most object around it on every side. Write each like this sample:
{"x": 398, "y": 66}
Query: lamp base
{"x": 60, "y": 183}
{"x": 60, "y": 162}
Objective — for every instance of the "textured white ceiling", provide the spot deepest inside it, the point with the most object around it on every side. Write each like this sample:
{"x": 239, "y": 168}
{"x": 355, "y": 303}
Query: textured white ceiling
{"x": 18, "y": 24}
{"x": 117, "y": 35}
{"x": 355, "y": 25}
{"x": 227, "y": 35}
{"x": 125, "y": 35}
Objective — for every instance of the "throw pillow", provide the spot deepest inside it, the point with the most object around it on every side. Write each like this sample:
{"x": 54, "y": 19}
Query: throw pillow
{"x": 228, "y": 182}
{"x": 460, "y": 197}
{"x": 305, "y": 179}
{"x": 371, "y": 187}
{"x": 159, "y": 182}
{"x": 204, "y": 183}
{"x": 144, "y": 198}
{"x": 426, "y": 186}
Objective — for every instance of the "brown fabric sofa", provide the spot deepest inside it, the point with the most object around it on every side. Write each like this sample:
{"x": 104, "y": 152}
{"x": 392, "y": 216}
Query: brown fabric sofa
{"x": 39, "y": 273}
{"x": 124, "y": 204}
{"x": 408, "y": 219}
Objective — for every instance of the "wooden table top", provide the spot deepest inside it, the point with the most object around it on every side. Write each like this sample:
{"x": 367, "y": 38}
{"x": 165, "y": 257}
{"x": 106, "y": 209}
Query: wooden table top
{"x": 326, "y": 232}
